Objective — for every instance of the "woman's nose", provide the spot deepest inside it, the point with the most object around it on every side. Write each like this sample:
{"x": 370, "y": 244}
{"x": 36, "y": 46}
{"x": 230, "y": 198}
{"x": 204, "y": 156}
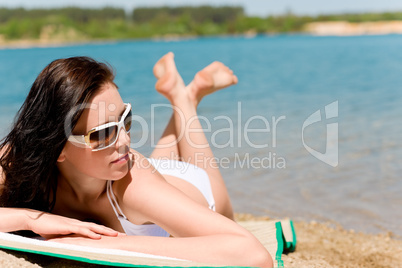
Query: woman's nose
{"x": 123, "y": 139}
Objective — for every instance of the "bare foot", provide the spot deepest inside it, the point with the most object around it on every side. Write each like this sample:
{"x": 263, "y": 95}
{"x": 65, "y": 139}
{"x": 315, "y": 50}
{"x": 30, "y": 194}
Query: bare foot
{"x": 210, "y": 79}
{"x": 169, "y": 81}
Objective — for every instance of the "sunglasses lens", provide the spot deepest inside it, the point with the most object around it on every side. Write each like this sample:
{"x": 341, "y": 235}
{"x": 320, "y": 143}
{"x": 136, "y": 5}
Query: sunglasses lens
{"x": 127, "y": 122}
{"x": 107, "y": 136}
{"x": 103, "y": 137}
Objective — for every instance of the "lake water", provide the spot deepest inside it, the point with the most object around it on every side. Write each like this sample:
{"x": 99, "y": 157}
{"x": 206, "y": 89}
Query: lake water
{"x": 282, "y": 81}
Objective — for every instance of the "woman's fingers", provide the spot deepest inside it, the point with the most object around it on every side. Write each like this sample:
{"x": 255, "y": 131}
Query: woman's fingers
{"x": 95, "y": 231}
{"x": 49, "y": 225}
{"x": 104, "y": 230}
{"x": 91, "y": 234}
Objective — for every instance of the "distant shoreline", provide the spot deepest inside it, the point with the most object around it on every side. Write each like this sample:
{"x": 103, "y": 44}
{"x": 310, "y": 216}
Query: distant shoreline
{"x": 333, "y": 28}
{"x": 29, "y": 43}
{"x": 24, "y": 28}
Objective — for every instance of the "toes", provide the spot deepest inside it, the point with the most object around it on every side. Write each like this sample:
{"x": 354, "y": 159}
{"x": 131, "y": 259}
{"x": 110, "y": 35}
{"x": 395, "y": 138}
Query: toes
{"x": 158, "y": 71}
{"x": 160, "y": 66}
{"x": 235, "y": 79}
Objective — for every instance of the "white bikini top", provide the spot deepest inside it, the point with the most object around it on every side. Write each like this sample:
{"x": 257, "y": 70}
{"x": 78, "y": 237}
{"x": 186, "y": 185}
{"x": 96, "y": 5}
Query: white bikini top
{"x": 183, "y": 170}
{"x": 129, "y": 227}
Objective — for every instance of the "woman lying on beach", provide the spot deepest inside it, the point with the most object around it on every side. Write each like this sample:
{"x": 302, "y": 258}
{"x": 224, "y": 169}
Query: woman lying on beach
{"x": 69, "y": 174}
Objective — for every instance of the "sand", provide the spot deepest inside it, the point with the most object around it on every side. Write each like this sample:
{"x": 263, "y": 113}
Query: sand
{"x": 318, "y": 245}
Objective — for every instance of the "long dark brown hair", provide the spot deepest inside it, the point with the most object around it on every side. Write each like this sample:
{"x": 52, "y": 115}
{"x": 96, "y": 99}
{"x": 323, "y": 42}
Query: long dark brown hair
{"x": 39, "y": 133}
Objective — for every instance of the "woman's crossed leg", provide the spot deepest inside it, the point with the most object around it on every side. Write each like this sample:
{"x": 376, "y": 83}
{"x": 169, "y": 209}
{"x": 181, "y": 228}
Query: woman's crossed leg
{"x": 183, "y": 138}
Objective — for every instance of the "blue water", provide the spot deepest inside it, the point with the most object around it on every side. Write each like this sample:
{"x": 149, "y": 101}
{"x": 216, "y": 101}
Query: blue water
{"x": 288, "y": 77}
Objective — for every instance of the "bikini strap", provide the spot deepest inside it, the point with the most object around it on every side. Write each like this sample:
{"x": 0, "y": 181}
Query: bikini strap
{"x": 113, "y": 201}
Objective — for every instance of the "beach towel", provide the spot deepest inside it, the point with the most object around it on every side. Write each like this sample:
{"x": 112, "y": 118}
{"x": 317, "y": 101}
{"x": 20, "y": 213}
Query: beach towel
{"x": 288, "y": 235}
{"x": 270, "y": 233}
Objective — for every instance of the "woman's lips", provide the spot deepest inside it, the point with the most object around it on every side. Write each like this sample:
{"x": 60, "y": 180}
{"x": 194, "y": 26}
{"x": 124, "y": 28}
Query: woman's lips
{"x": 122, "y": 159}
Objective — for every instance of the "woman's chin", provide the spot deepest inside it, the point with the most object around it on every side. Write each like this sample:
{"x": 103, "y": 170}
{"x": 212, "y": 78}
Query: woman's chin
{"x": 120, "y": 173}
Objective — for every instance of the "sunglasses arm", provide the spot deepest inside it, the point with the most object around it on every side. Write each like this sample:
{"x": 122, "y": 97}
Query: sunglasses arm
{"x": 80, "y": 139}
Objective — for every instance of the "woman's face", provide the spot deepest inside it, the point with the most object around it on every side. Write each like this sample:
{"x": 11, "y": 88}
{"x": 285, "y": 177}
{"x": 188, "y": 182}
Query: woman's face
{"x": 110, "y": 163}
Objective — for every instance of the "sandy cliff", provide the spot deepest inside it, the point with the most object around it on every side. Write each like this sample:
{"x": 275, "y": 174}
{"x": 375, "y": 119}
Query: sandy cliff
{"x": 344, "y": 28}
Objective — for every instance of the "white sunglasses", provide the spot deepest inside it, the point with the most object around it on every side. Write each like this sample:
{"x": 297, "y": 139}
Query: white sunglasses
{"x": 104, "y": 136}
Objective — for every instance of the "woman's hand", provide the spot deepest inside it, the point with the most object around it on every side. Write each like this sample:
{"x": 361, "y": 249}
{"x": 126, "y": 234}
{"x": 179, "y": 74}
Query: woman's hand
{"x": 49, "y": 226}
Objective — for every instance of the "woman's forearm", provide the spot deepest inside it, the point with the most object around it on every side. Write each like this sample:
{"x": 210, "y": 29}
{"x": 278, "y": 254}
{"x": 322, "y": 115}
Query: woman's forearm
{"x": 49, "y": 225}
{"x": 223, "y": 249}
{"x": 14, "y": 219}
{"x": 217, "y": 249}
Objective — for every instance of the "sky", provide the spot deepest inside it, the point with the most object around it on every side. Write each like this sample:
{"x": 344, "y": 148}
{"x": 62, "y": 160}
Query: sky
{"x": 252, "y": 7}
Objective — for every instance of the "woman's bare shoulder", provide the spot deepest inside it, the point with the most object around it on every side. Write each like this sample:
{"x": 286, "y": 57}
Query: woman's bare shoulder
{"x": 142, "y": 169}
{"x": 137, "y": 187}
{"x": 141, "y": 173}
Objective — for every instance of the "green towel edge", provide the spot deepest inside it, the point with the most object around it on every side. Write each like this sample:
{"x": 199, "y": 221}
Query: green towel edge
{"x": 294, "y": 242}
{"x": 291, "y": 245}
{"x": 279, "y": 251}
{"x": 74, "y": 258}
{"x": 278, "y": 254}
{"x": 93, "y": 261}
